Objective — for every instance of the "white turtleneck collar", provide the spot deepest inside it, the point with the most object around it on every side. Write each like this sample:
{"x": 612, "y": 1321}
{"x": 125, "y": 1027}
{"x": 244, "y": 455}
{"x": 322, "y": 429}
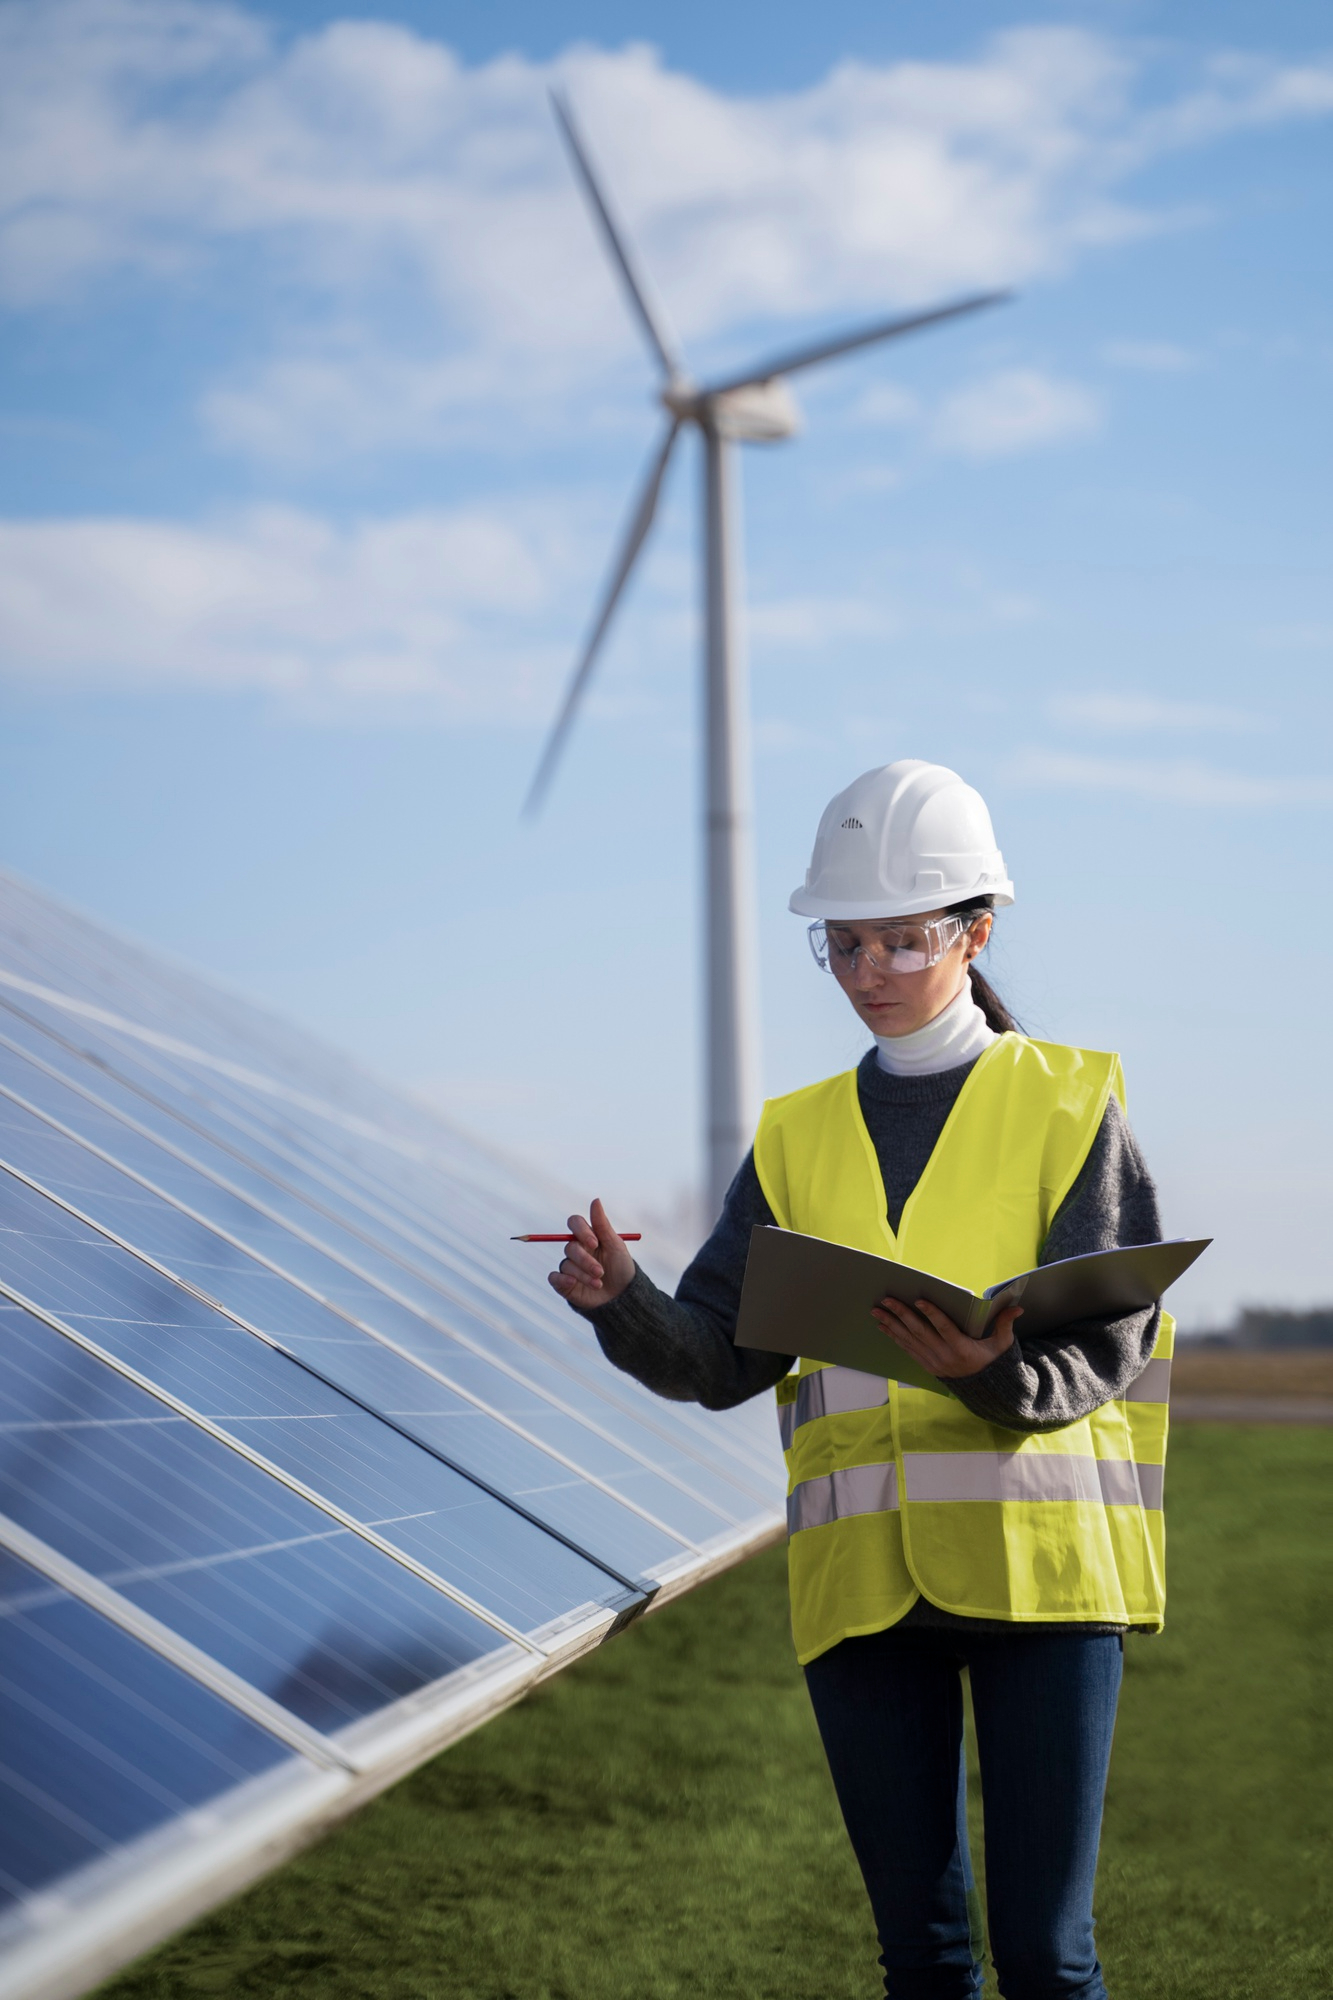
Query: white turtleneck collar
{"x": 956, "y": 1036}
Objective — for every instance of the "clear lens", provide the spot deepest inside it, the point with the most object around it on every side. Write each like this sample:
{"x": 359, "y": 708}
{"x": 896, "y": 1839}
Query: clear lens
{"x": 896, "y": 947}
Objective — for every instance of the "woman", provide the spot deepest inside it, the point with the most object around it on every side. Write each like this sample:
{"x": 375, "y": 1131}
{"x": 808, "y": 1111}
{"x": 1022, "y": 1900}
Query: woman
{"x": 1010, "y": 1522}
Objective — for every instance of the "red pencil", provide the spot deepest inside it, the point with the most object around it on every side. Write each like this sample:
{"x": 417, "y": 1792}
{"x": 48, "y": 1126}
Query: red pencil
{"x": 563, "y": 1236}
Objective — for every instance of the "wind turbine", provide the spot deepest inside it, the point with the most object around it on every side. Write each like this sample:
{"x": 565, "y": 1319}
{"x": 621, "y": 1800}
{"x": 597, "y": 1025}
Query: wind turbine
{"x": 752, "y": 407}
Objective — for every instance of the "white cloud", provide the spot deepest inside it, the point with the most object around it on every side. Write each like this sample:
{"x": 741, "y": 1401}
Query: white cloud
{"x": 1150, "y": 357}
{"x": 1126, "y": 713}
{"x": 1014, "y": 410}
{"x": 429, "y": 240}
{"x": 448, "y": 612}
{"x": 1179, "y": 783}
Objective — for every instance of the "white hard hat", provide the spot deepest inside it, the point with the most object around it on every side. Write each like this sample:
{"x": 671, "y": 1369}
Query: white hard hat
{"x": 905, "y": 838}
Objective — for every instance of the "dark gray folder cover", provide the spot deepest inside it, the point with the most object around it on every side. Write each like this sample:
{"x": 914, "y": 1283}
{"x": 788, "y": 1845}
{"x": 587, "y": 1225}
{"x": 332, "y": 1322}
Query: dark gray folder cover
{"x": 804, "y": 1296}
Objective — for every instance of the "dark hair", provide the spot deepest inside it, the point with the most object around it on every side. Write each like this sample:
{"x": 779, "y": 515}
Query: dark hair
{"x": 997, "y": 1014}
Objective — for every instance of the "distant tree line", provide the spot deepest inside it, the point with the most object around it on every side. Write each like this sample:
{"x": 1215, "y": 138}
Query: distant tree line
{"x": 1257, "y": 1326}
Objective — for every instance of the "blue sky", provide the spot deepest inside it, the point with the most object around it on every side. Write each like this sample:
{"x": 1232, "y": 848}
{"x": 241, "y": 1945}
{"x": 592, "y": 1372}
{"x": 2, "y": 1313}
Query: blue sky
{"x": 319, "y": 414}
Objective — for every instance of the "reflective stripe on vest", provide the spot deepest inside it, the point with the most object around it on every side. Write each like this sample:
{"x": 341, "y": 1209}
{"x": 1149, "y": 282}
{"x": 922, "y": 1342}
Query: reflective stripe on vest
{"x": 972, "y": 1475}
{"x": 897, "y": 1492}
{"x": 1015, "y": 1475}
{"x": 834, "y": 1391}
{"x": 854, "y": 1489}
{"x": 1152, "y": 1386}
{"x": 830, "y": 1392}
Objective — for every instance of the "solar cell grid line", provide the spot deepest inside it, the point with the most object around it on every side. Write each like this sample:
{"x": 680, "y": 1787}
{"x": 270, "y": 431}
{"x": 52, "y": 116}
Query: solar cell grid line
{"x": 708, "y": 1442}
{"x": 384, "y": 1102}
{"x": 702, "y": 1436}
{"x": 201, "y": 1106}
{"x": 634, "y": 1542}
{"x": 762, "y": 1450}
{"x": 238, "y": 1286}
{"x": 117, "y": 1745}
{"x": 76, "y": 996}
{"x": 729, "y": 1433}
{"x": 257, "y": 1169}
{"x": 325, "y": 1110}
{"x": 705, "y": 1437}
{"x": 131, "y": 1023}
{"x": 295, "y": 1143}
{"x": 99, "y": 963}
{"x": 44, "y": 1256}
{"x": 308, "y": 1324}
{"x": 35, "y": 1063}
{"x": 364, "y": 1531}
{"x": 276, "y": 1203}
{"x": 108, "y": 966}
{"x": 219, "y": 1547}
{"x": 101, "y": 972}
{"x": 674, "y": 1425}
{"x": 159, "y": 1638}
{"x": 66, "y": 1266}
{"x": 283, "y": 1167}
{"x": 278, "y": 1160}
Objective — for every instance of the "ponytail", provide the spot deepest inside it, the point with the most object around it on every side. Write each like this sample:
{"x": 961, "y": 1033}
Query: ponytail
{"x": 997, "y": 1014}
{"x": 998, "y": 1017}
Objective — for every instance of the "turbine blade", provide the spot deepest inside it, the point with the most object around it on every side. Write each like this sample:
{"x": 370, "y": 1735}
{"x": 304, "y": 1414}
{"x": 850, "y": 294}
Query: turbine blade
{"x": 866, "y": 336}
{"x": 640, "y": 522}
{"x": 659, "y": 336}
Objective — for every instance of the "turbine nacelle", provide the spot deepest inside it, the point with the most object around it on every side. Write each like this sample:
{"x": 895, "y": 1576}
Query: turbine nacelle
{"x": 752, "y": 413}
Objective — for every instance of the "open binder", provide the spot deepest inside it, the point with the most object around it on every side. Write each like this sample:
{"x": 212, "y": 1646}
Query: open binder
{"x": 803, "y": 1295}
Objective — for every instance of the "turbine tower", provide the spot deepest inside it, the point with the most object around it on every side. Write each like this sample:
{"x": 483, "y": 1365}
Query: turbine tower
{"x": 752, "y": 407}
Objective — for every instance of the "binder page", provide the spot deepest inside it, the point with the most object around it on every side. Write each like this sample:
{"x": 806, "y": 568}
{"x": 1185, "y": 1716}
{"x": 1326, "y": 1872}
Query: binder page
{"x": 1103, "y": 1285}
{"x": 804, "y": 1296}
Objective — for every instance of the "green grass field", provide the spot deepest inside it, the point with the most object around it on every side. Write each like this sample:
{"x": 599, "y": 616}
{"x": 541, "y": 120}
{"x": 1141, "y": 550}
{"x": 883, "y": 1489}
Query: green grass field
{"x": 657, "y": 1823}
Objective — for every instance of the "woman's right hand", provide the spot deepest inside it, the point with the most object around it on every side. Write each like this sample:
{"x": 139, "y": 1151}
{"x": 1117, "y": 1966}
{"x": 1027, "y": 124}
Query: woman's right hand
{"x": 596, "y": 1266}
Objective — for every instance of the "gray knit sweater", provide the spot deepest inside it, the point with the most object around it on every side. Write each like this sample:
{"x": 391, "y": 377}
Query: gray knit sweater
{"x": 684, "y": 1347}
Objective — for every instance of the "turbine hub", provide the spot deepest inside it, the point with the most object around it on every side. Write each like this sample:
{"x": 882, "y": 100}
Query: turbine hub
{"x": 681, "y": 399}
{"x": 755, "y": 413}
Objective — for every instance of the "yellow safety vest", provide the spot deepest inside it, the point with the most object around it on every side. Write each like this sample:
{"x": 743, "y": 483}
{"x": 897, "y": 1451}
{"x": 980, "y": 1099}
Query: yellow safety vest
{"x": 897, "y": 1492}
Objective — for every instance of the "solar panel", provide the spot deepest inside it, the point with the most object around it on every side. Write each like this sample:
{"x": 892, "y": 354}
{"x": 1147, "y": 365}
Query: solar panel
{"x": 273, "y": 1406}
{"x": 279, "y": 1589}
{"x": 111, "y": 1743}
{"x": 303, "y": 1470}
{"x": 464, "y": 1267}
{"x": 223, "y": 1271}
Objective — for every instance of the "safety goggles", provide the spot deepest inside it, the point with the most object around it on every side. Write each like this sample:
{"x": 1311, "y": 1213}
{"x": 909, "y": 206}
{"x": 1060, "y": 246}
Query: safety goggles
{"x": 909, "y": 944}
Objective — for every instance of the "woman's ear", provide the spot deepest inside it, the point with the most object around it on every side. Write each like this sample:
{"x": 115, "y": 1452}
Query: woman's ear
{"x": 977, "y": 939}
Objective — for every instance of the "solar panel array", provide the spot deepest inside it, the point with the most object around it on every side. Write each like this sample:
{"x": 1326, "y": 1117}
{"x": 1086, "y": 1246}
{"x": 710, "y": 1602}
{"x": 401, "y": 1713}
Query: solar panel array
{"x": 303, "y": 1469}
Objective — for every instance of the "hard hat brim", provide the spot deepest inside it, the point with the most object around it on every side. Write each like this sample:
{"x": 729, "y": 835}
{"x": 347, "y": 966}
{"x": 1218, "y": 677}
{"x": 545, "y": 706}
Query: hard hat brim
{"x": 804, "y": 903}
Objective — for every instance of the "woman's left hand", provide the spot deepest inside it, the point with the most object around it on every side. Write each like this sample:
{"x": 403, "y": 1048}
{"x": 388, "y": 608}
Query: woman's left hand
{"x": 942, "y": 1348}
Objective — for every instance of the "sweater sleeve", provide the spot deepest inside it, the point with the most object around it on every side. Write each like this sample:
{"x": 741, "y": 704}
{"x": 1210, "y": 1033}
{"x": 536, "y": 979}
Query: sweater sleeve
{"x": 1044, "y": 1384}
{"x": 684, "y": 1347}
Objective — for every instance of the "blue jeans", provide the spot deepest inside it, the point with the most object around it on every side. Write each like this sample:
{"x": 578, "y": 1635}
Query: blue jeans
{"x": 890, "y": 1711}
